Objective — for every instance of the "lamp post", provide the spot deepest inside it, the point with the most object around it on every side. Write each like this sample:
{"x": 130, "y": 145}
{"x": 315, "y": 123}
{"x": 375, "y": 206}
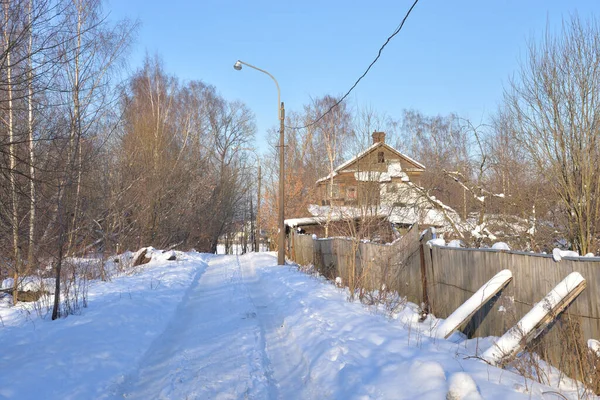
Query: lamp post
{"x": 281, "y": 112}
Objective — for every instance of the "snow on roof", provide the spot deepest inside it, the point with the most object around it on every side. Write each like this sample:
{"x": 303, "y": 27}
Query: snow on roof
{"x": 365, "y": 152}
{"x": 318, "y": 220}
{"x": 406, "y": 215}
{"x": 394, "y": 170}
{"x": 295, "y": 222}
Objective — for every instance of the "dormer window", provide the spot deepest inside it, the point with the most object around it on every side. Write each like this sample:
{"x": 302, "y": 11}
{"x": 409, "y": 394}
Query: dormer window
{"x": 380, "y": 157}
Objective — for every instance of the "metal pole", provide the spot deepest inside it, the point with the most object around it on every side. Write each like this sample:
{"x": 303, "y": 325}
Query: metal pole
{"x": 257, "y": 235}
{"x": 281, "y": 237}
{"x": 281, "y": 244}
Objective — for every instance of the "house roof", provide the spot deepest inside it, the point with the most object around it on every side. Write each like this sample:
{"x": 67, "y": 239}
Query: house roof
{"x": 367, "y": 151}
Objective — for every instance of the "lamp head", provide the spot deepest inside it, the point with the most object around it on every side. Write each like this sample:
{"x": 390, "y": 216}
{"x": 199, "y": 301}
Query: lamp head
{"x": 238, "y": 65}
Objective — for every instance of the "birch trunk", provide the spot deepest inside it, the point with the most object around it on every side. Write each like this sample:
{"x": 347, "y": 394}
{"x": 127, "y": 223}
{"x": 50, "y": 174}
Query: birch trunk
{"x": 75, "y": 157}
{"x": 12, "y": 153}
{"x": 32, "y": 193}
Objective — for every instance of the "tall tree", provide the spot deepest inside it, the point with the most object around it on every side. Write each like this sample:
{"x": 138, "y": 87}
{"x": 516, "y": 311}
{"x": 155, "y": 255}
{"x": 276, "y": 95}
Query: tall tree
{"x": 332, "y": 127}
{"x": 9, "y": 11}
{"x": 554, "y": 106}
{"x": 90, "y": 50}
{"x": 440, "y": 143}
{"x": 202, "y": 138}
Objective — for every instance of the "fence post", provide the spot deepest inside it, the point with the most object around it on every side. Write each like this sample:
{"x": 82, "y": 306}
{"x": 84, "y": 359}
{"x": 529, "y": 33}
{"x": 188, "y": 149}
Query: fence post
{"x": 427, "y": 235}
{"x": 293, "y": 244}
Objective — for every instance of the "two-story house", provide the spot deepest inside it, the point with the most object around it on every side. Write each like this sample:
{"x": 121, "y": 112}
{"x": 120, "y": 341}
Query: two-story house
{"x": 379, "y": 184}
{"x": 377, "y": 176}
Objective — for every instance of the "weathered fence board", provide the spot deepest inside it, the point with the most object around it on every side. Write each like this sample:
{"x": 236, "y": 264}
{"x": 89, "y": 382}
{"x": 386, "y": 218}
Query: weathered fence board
{"x": 536, "y": 320}
{"x": 474, "y": 304}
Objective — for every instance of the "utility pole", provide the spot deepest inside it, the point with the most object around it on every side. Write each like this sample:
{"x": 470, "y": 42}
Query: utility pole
{"x": 281, "y": 244}
{"x": 281, "y": 238}
{"x": 257, "y": 235}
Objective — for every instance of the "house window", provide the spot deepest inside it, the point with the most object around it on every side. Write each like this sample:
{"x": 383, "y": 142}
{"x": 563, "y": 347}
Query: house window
{"x": 351, "y": 193}
{"x": 380, "y": 157}
{"x": 333, "y": 191}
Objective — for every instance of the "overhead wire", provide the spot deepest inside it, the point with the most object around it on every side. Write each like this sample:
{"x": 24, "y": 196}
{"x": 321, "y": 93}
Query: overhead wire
{"x": 398, "y": 29}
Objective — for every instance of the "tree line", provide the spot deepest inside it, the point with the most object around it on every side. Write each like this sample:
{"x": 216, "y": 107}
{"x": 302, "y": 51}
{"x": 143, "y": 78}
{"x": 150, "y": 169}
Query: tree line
{"x": 92, "y": 161}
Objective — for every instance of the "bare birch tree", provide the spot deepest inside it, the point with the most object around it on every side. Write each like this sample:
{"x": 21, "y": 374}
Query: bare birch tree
{"x": 332, "y": 133}
{"x": 9, "y": 121}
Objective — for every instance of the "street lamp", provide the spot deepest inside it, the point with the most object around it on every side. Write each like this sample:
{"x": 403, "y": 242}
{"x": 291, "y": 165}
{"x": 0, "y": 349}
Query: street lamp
{"x": 281, "y": 112}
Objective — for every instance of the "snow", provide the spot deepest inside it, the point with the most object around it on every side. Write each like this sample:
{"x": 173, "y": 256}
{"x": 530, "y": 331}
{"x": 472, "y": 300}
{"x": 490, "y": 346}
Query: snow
{"x": 594, "y": 345}
{"x": 558, "y": 254}
{"x": 455, "y": 243}
{"x": 465, "y": 309}
{"x": 395, "y": 169}
{"x": 481, "y": 231}
{"x": 229, "y": 327}
{"x": 500, "y": 246}
{"x": 149, "y": 251}
{"x": 296, "y": 222}
{"x": 26, "y": 284}
{"x": 88, "y": 355}
{"x": 328, "y": 177}
{"x": 462, "y": 387}
{"x": 395, "y": 214}
{"x": 436, "y": 242}
{"x": 511, "y": 339}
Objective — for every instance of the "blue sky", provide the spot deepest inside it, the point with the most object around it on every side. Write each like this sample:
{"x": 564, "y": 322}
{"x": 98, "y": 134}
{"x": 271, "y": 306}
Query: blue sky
{"x": 451, "y": 56}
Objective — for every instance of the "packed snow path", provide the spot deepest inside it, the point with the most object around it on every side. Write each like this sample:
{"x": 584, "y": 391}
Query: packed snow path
{"x": 216, "y": 346}
{"x": 229, "y": 327}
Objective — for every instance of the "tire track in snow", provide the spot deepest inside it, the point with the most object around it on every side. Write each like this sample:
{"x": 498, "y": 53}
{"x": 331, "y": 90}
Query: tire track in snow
{"x": 208, "y": 351}
{"x": 264, "y": 369}
{"x": 157, "y": 343}
{"x": 286, "y": 363}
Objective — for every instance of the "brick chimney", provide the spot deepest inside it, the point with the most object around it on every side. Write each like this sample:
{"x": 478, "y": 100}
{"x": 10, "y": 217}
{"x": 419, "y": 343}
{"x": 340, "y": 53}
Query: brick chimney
{"x": 378, "y": 137}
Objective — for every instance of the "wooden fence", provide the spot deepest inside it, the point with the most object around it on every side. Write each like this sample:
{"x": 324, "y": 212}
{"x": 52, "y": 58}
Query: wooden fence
{"x": 397, "y": 265}
{"x": 455, "y": 274}
{"x": 444, "y": 277}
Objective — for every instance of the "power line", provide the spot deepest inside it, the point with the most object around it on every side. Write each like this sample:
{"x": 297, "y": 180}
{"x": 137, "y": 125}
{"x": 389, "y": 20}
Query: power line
{"x": 398, "y": 29}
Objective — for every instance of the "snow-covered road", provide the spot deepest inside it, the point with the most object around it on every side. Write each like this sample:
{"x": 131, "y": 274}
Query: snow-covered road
{"x": 229, "y": 327}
